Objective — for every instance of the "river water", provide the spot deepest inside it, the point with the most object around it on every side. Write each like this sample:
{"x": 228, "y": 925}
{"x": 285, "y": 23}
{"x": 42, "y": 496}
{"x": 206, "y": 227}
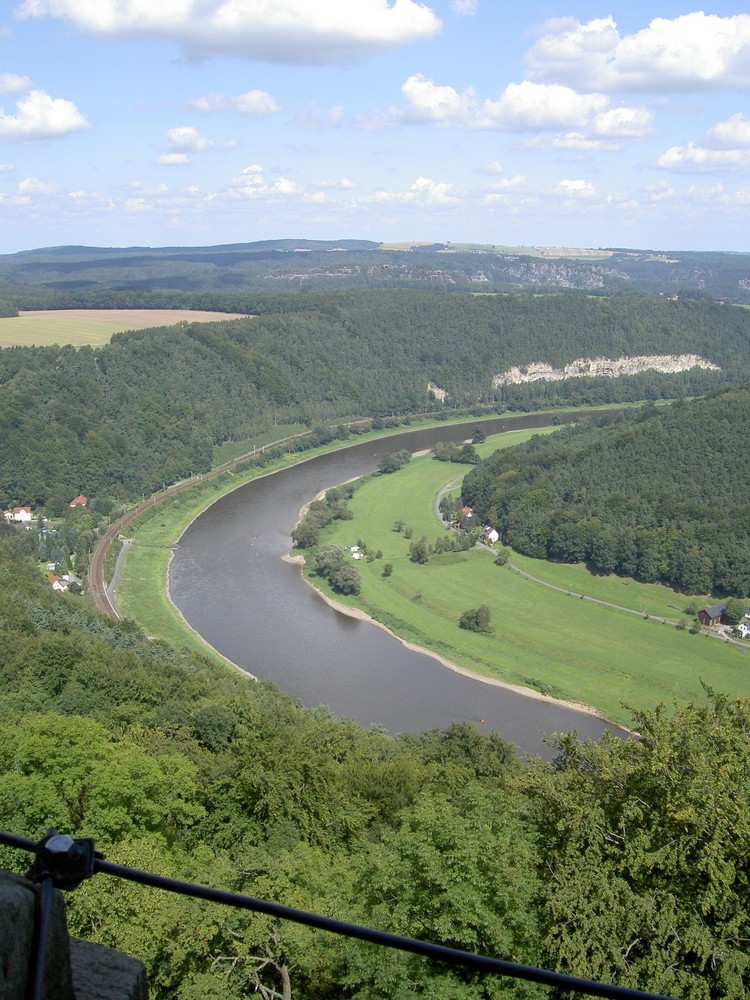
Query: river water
{"x": 230, "y": 581}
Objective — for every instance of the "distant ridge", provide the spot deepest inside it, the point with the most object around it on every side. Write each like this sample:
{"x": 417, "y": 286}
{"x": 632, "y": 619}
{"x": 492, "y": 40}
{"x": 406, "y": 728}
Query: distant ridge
{"x": 259, "y": 245}
{"x": 212, "y": 276}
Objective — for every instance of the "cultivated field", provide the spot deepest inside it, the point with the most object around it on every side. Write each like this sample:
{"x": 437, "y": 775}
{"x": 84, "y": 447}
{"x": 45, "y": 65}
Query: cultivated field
{"x": 93, "y": 326}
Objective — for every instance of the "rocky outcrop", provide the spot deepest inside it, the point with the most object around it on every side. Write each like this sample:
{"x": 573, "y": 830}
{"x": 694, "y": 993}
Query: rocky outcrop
{"x": 439, "y": 394}
{"x": 601, "y": 368}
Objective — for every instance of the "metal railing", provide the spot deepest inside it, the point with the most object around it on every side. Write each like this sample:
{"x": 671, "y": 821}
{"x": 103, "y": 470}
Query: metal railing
{"x": 63, "y": 862}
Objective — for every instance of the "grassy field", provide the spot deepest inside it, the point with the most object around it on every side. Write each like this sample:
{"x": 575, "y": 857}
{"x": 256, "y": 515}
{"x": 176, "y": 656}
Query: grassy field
{"x": 91, "y": 326}
{"x": 570, "y": 648}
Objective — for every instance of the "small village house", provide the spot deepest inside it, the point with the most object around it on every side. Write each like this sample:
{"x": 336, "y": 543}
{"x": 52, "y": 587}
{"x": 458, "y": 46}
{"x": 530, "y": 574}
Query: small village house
{"x": 713, "y": 614}
{"x": 24, "y": 515}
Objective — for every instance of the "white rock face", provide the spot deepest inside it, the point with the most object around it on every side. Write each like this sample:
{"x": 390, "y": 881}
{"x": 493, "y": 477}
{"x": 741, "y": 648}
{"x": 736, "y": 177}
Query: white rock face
{"x": 437, "y": 392}
{"x": 602, "y": 367}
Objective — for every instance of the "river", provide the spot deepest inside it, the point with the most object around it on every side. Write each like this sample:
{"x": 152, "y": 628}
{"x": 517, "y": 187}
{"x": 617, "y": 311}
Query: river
{"x": 229, "y": 579}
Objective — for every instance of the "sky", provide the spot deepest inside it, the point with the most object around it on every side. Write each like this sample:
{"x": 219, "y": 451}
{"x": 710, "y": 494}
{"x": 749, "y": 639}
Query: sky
{"x": 575, "y": 123}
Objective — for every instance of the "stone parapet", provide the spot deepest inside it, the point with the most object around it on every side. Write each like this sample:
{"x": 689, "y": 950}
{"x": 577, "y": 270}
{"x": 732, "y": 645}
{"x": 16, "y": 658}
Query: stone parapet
{"x": 74, "y": 970}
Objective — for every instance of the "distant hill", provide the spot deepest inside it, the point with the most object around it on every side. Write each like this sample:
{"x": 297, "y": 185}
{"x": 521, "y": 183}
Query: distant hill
{"x": 291, "y": 265}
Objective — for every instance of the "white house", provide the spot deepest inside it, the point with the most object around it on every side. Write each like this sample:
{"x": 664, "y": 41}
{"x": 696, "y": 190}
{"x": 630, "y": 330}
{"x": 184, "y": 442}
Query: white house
{"x": 23, "y": 514}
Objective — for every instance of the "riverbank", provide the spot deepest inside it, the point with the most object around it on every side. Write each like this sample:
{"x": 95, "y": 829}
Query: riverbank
{"x": 611, "y": 644}
{"x": 140, "y": 592}
{"x": 360, "y": 615}
{"x": 547, "y": 645}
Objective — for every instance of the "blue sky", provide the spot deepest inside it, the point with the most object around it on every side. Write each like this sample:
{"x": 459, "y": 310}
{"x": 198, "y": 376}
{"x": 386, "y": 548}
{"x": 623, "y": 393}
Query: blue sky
{"x": 193, "y": 122}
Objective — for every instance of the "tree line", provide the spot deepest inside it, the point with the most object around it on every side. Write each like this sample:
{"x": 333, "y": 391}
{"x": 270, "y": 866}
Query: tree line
{"x": 274, "y": 266}
{"x": 658, "y": 494}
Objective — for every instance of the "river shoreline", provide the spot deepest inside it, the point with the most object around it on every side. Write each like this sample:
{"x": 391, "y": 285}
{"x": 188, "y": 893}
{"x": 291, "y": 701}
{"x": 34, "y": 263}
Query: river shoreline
{"x": 360, "y": 615}
{"x": 224, "y": 585}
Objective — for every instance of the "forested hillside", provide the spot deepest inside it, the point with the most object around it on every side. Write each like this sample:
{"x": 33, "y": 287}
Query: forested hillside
{"x": 625, "y": 862}
{"x": 66, "y": 277}
{"x": 150, "y": 407}
{"x": 661, "y": 494}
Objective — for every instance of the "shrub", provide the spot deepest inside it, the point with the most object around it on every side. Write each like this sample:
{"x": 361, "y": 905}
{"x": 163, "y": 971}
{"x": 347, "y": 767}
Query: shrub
{"x": 476, "y": 619}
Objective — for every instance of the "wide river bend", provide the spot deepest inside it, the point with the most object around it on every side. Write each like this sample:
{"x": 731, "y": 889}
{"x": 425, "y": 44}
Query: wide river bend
{"x": 230, "y": 581}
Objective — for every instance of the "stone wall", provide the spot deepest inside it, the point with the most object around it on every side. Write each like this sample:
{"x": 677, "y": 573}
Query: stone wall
{"x": 74, "y": 970}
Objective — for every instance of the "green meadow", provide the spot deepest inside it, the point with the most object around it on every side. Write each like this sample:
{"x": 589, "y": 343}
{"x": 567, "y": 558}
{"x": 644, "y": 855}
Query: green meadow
{"x": 561, "y": 645}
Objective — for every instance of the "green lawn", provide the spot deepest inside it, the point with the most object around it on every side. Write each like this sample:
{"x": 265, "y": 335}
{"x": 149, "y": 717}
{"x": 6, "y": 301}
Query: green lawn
{"x": 572, "y": 648}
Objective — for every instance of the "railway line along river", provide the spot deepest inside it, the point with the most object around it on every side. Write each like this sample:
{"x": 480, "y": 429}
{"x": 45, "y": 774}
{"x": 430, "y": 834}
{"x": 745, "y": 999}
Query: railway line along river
{"x": 230, "y": 581}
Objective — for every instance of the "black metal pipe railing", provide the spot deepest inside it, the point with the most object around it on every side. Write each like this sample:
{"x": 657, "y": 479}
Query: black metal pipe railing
{"x": 435, "y": 952}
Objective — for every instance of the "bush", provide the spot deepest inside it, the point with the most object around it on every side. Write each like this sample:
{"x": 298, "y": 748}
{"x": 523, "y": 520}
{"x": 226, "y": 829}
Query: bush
{"x": 346, "y": 579}
{"x": 476, "y": 619}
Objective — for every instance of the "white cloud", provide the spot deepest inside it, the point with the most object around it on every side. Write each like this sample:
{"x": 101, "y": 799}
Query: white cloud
{"x": 315, "y": 119}
{"x": 32, "y": 185}
{"x": 522, "y": 107}
{"x": 40, "y": 116}
{"x": 423, "y": 192}
{"x": 734, "y": 132}
{"x": 209, "y": 102}
{"x": 432, "y": 102}
{"x": 136, "y": 205}
{"x": 285, "y": 31}
{"x": 576, "y": 189}
{"x": 528, "y": 106}
{"x": 726, "y": 149}
{"x": 187, "y": 138}
{"x": 507, "y": 183}
{"x": 464, "y": 8}
{"x": 173, "y": 159}
{"x": 623, "y": 123}
{"x": 255, "y": 104}
{"x": 11, "y": 83}
{"x": 251, "y": 183}
{"x": 342, "y": 184}
{"x": 7, "y": 167}
{"x": 698, "y": 159}
{"x": 692, "y": 52}
{"x": 574, "y": 141}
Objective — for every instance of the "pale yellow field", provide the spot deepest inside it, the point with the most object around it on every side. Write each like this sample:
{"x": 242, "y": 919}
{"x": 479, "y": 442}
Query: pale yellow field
{"x": 93, "y": 326}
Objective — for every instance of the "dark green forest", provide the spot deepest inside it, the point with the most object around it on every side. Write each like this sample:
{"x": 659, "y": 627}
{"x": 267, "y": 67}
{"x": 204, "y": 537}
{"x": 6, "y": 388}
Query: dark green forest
{"x": 662, "y": 493}
{"x": 150, "y": 407}
{"x": 621, "y": 861}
